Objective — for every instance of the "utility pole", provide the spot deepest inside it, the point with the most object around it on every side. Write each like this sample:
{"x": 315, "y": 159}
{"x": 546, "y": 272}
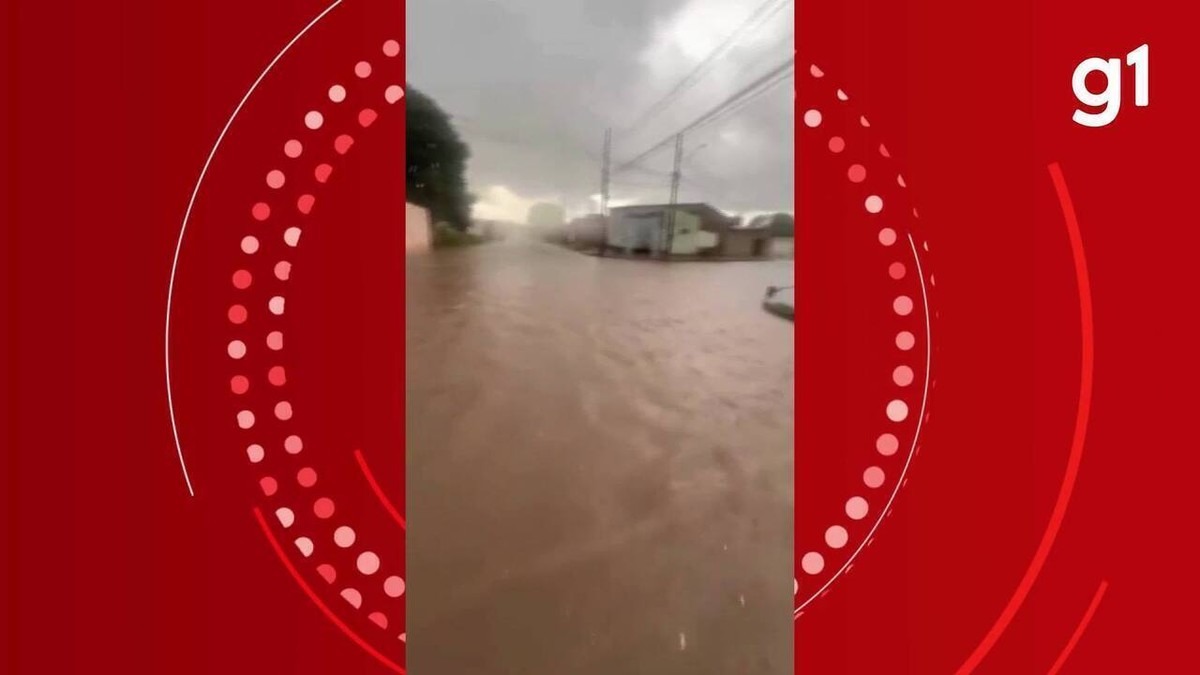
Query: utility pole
{"x": 604, "y": 171}
{"x": 604, "y": 176}
{"x": 675, "y": 175}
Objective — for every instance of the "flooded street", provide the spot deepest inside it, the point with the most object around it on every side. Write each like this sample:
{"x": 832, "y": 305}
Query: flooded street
{"x": 600, "y": 465}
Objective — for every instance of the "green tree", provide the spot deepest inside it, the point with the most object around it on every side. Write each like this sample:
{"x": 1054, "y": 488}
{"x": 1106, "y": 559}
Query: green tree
{"x": 437, "y": 162}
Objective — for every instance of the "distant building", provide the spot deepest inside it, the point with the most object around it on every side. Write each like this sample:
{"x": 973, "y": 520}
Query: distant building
{"x": 782, "y": 226}
{"x": 417, "y": 232}
{"x": 644, "y": 229}
{"x": 586, "y": 231}
{"x": 700, "y": 230}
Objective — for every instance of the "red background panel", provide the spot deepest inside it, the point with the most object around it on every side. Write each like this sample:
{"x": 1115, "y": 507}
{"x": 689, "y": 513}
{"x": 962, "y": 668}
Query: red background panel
{"x": 110, "y": 111}
{"x": 976, "y": 102}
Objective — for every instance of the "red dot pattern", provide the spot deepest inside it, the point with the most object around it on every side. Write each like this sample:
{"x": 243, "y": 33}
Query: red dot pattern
{"x": 375, "y": 597}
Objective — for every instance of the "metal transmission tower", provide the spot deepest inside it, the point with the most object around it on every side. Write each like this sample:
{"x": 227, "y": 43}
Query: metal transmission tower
{"x": 675, "y": 175}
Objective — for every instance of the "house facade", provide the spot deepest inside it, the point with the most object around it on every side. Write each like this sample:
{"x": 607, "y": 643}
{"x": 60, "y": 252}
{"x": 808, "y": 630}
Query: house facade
{"x": 700, "y": 230}
{"x": 646, "y": 229}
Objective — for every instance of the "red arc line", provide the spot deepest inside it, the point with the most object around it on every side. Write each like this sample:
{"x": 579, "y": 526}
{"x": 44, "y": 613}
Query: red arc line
{"x": 333, "y": 618}
{"x": 387, "y": 503}
{"x": 1077, "y": 442}
{"x": 1083, "y": 624}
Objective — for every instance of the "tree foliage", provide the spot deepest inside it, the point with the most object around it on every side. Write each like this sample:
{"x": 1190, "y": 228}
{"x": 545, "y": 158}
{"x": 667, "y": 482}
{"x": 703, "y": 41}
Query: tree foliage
{"x": 437, "y": 162}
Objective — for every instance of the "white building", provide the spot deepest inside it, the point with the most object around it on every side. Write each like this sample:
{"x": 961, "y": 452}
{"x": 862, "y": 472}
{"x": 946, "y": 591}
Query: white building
{"x": 643, "y": 229}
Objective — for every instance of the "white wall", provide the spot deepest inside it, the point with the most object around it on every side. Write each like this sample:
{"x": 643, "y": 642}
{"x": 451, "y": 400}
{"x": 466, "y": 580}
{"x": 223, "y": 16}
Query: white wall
{"x": 416, "y": 229}
{"x": 642, "y": 228}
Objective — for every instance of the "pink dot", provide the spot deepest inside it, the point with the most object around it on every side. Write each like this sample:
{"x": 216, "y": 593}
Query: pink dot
{"x": 286, "y": 516}
{"x": 391, "y": 48}
{"x": 905, "y": 340}
{"x": 896, "y": 270}
{"x": 249, "y": 244}
{"x": 836, "y": 537}
{"x": 242, "y": 279}
{"x": 291, "y": 236}
{"x": 239, "y": 384}
{"x": 884, "y": 151}
{"x": 275, "y": 340}
{"x": 313, "y": 120}
{"x": 900, "y": 181}
{"x": 236, "y": 349}
{"x": 237, "y": 314}
{"x": 293, "y": 445}
{"x": 353, "y": 597}
{"x": 306, "y": 477}
{"x": 367, "y": 117}
{"x": 305, "y": 545}
{"x": 275, "y": 305}
{"x": 321, "y": 173}
{"x": 368, "y": 563}
{"x": 887, "y": 445}
{"x": 903, "y": 305}
{"x": 856, "y": 508}
{"x": 305, "y": 204}
{"x": 283, "y": 410}
{"x": 812, "y": 118}
{"x": 327, "y": 572}
{"x": 277, "y": 376}
{"x": 337, "y": 93}
{"x": 887, "y": 236}
{"x": 275, "y": 179}
{"x": 362, "y": 69}
{"x": 245, "y": 419}
{"x": 293, "y": 148}
{"x": 873, "y": 477}
{"x": 837, "y": 144}
{"x": 344, "y": 536}
{"x": 256, "y": 453}
{"x": 857, "y": 173}
{"x": 261, "y": 211}
{"x": 874, "y": 204}
{"x": 378, "y": 619}
{"x": 812, "y": 563}
{"x": 902, "y": 376}
{"x": 323, "y": 508}
{"x": 393, "y": 586}
{"x": 897, "y": 411}
{"x": 393, "y": 93}
{"x": 268, "y": 485}
{"x": 283, "y": 269}
{"x": 342, "y": 143}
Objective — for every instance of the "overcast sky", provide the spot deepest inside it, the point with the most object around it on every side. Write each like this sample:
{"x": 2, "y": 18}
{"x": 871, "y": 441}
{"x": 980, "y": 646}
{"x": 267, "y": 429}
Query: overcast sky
{"x": 532, "y": 84}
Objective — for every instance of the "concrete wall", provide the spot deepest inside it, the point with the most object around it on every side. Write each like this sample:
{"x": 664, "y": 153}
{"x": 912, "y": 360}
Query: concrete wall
{"x": 417, "y": 230}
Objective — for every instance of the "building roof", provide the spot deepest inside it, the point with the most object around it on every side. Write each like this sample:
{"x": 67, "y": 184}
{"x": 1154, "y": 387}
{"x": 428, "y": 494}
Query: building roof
{"x": 689, "y": 206}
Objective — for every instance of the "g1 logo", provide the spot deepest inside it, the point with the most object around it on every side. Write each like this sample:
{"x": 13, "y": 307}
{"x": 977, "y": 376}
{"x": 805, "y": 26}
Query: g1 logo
{"x": 1109, "y": 100}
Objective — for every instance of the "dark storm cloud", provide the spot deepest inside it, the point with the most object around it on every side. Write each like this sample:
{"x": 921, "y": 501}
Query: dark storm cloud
{"x": 532, "y": 84}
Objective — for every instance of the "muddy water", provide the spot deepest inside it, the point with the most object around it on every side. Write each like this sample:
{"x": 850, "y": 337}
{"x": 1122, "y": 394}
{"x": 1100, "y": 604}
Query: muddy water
{"x": 599, "y": 465}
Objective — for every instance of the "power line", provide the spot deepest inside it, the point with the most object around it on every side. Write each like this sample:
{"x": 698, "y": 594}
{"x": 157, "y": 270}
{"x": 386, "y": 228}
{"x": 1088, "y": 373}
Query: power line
{"x": 733, "y": 110}
{"x": 765, "y": 12}
{"x": 766, "y": 81}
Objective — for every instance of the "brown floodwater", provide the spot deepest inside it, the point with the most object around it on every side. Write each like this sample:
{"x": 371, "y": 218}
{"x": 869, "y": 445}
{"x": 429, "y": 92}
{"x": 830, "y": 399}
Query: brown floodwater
{"x": 599, "y": 465}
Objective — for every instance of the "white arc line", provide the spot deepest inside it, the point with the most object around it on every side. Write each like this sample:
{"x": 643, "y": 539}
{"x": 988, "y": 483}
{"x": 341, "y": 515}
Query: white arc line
{"x": 912, "y": 451}
{"x": 183, "y": 229}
